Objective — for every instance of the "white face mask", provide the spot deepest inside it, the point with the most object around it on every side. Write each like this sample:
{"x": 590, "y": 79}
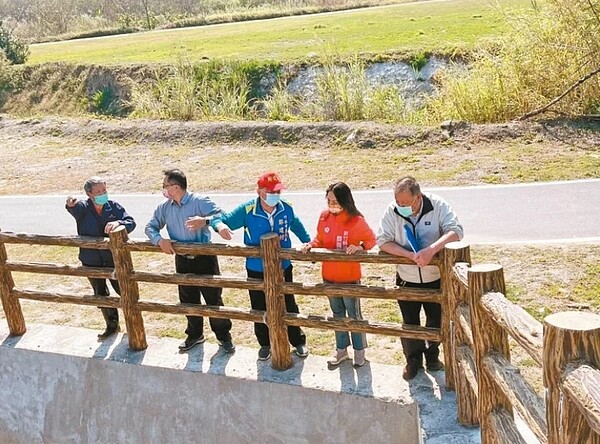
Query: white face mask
{"x": 335, "y": 210}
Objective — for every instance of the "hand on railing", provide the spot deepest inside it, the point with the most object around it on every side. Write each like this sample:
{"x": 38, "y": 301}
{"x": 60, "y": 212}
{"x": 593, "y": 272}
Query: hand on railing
{"x": 166, "y": 246}
{"x": 305, "y": 248}
{"x": 354, "y": 248}
{"x": 111, "y": 226}
{"x": 423, "y": 257}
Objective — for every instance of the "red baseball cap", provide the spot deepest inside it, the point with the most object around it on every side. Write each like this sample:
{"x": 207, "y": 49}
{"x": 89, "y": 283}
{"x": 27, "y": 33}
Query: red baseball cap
{"x": 270, "y": 181}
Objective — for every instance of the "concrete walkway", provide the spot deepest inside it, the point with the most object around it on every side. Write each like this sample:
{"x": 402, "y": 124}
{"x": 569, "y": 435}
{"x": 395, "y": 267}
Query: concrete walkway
{"x": 378, "y": 382}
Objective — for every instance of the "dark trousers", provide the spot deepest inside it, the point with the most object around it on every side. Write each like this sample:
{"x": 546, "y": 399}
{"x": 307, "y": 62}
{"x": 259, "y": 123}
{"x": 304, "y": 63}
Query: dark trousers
{"x": 212, "y": 296}
{"x": 258, "y": 302}
{"x": 111, "y": 315}
{"x": 414, "y": 349}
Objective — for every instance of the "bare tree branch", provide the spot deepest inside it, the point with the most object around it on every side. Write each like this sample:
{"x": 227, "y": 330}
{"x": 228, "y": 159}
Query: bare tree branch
{"x": 559, "y": 98}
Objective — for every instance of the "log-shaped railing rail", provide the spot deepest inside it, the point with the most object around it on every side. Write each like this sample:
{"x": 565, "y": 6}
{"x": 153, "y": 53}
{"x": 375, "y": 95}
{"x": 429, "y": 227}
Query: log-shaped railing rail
{"x": 277, "y": 318}
{"x": 489, "y": 387}
{"x": 476, "y": 323}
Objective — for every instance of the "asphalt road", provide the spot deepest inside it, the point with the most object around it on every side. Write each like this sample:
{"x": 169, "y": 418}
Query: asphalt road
{"x": 556, "y": 212}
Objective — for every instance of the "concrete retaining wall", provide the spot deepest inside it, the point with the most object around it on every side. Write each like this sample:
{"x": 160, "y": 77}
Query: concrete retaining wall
{"x": 58, "y": 385}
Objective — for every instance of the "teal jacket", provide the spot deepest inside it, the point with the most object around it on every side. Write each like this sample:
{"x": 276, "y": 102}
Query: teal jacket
{"x": 255, "y": 221}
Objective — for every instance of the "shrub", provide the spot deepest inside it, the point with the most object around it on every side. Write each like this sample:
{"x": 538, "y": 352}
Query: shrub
{"x": 104, "y": 102}
{"x": 546, "y": 52}
{"x": 14, "y": 49}
{"x": 418, "y": 61}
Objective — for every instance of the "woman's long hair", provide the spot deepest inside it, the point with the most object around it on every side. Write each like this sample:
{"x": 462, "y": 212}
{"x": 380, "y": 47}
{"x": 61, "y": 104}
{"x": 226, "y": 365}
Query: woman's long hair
{"x": 343, "y": 195}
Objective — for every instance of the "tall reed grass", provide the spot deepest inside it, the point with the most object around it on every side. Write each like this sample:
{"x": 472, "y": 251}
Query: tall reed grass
{"x": 544, "y": 54}
{"x": 216, "y": 90}
{"x": 342, "y": 92}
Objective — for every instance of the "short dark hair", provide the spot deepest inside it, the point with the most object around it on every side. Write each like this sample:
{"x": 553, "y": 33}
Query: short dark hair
{"x": 176, "y": 176}
{"x": 407, "y": 183}
{"x": 343, "y": 195}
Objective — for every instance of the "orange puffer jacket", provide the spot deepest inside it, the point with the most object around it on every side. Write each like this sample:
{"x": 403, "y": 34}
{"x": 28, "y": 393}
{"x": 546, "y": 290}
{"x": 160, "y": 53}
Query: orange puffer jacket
{"x": 337, "y": 232}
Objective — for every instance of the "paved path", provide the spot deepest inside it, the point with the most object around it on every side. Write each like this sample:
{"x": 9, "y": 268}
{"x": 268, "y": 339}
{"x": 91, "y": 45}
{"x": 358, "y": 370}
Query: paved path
{"x": 555, "y": 212}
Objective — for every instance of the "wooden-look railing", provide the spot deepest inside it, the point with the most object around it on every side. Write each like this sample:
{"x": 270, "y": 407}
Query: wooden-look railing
{"x": 489, "y": 388}
{"x": 273, "y": 285}
{"x": 476, "y": 322}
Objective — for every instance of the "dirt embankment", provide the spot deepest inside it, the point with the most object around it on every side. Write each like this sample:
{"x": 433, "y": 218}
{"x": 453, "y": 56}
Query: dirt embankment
{"x": 582, "y": 134}
{"x": 67, "y": 89}
{"x": 56, "y": 155}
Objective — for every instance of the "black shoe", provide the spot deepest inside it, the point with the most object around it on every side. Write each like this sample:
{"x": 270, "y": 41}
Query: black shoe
{"x": 435, "y": 366}
{"x": 410, "y": 371}
{"x": 264, "y": 353}
{"x": 227, "y": 346}
{"x": 191, "y": 342}
{"x": 111, "y": 329}
{"x": 301, "y": 350}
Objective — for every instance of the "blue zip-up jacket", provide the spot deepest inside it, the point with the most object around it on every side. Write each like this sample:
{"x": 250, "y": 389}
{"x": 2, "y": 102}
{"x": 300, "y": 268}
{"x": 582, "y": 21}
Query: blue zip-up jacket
{"x": 255, "y": 221}
{"x": 90, "y": 223}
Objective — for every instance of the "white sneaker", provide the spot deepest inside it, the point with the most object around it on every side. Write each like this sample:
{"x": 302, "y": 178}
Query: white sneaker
{"x": 341, "y": 355}
{"x": 359, "y": 358}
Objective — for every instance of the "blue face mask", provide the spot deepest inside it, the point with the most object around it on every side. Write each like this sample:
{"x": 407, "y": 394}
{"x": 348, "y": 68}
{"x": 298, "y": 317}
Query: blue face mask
{"x": 404, "y": 211}
{"x": 101, "y": 199}
{"x": 272, "y": 199}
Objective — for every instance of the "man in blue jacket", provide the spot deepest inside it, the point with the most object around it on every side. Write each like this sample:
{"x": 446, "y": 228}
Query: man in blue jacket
{"x": 265, "y": 214}
{"x": 97, "y": 216}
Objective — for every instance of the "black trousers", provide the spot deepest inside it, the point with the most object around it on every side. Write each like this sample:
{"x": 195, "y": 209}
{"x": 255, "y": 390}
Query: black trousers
{"x": 258, "y": 302}
{"x": 101, "y": 289}
{"x": 414, "y": 349}
{"x": 212, "y": 296}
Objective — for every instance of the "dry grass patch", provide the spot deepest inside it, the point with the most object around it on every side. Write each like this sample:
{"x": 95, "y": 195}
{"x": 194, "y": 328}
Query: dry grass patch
{"x": 57, "y": 157}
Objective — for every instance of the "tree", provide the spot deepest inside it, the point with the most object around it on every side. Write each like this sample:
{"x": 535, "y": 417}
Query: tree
{"x": 14, "y": 49}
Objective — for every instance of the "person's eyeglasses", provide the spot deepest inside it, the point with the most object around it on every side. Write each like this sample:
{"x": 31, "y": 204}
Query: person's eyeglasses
{"x": 408, "y": 205}
{"x": 168, "y": 185}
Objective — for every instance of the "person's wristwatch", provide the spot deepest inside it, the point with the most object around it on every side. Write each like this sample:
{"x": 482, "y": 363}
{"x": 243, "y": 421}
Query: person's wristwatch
{"x": 207, "y": 222}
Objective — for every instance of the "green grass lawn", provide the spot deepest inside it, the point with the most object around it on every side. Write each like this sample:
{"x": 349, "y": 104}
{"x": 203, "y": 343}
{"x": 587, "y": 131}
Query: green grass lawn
{"x": 436, "y": 26}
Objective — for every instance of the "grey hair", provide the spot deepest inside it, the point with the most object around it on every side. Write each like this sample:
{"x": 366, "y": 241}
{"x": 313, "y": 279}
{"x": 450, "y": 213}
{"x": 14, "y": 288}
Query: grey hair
{"x": 407, "y": 183}
{"x": 89, "y": 184}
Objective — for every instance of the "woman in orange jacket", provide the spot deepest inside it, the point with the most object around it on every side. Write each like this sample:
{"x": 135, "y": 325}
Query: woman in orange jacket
{"x": 343, "y": 227}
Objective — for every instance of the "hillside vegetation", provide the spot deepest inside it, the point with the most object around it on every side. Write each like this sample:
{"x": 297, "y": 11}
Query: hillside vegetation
{"x": 520, "y": 56}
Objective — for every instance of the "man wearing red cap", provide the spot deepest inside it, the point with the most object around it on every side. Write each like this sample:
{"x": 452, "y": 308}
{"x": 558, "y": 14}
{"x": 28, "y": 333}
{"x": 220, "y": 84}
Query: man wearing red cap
{"x": 267, "y": 214}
